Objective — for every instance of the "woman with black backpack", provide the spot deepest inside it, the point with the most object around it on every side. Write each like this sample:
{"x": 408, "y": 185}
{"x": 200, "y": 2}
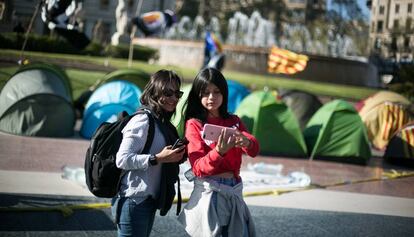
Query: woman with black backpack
{"x": 148, "y": 182}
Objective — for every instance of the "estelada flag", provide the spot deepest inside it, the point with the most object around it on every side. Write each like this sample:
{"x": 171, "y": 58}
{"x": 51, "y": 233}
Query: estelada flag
{"x": 213, "y": 44}
{"x": 285, "y": 61}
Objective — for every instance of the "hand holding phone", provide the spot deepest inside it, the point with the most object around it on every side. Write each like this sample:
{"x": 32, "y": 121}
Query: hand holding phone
{"x": 180, "y": 142}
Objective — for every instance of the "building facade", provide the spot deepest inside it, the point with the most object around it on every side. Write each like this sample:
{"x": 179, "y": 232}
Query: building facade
{"x": 391, "y": 32}
{"x": 307, "y": 9}
{"x": 97, "y": 18}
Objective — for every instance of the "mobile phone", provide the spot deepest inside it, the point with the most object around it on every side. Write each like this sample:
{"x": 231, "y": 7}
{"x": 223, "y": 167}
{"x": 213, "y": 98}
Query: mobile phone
{"x": 212, "y": 132}
{"x": 180, "y": 142}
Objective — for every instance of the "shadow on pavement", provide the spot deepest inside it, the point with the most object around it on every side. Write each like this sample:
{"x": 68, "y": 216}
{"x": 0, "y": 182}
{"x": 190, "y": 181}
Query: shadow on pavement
{"x": 269, "y": 221}
{"x": 36, "y": 213}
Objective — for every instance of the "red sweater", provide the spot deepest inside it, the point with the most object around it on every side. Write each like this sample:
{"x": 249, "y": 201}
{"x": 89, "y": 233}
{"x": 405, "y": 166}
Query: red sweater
{"x": 205, "y": 160}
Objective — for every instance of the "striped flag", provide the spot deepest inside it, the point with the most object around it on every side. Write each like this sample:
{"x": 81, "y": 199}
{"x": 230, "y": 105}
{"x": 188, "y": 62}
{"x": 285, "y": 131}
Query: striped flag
{"x": 285, "y": 61}
{"x": 213, "y": 52}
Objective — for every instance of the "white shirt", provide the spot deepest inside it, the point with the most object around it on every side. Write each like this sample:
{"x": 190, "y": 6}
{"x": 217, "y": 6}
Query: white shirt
{"x": 142, "y": 179}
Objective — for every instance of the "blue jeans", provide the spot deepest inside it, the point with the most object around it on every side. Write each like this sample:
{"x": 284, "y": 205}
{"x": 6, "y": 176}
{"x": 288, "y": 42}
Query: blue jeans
{"x": 229, "y": 182}
{"x": 133, "y": 219}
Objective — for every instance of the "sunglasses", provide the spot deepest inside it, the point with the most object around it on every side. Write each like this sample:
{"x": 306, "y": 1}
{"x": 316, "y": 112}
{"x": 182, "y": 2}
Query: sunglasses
{"x": 170, "y": 93}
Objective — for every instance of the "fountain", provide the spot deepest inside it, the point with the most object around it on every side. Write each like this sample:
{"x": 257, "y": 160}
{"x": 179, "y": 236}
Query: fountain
{"x": 249, "y": 39}
{"x": 256, "y": 31}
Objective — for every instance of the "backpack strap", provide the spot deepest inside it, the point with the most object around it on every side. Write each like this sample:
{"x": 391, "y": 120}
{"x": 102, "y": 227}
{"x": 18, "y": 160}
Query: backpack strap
{"x": 151, "y": 131}
{"x": 150, "y": 136}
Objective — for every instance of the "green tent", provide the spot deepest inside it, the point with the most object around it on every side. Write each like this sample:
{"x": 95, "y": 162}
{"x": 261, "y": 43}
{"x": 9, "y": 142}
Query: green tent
{"x": 137, "y": 77}
{"x": 178, "y": 117}
{"x": 336, "y": 132}
{"x": 273, "y": 124}
{"x": 37, "y": 101}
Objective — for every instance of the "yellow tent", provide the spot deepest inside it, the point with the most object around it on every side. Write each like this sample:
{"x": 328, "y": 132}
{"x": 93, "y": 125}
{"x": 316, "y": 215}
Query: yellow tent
{"x": 384, "y": 114}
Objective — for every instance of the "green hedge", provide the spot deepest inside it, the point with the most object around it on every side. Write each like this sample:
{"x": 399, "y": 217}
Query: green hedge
{"x": 122, "y": 51}
{"x": 36, "y": 43}
{"x": 49, "y": 44}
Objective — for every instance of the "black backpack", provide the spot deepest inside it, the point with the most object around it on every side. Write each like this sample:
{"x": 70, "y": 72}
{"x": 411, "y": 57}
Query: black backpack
{"x": 102, "y": 176}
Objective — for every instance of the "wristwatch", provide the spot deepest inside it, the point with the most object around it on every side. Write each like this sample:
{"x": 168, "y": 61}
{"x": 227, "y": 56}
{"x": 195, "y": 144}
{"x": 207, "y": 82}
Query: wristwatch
{"x": 153, "y": 160}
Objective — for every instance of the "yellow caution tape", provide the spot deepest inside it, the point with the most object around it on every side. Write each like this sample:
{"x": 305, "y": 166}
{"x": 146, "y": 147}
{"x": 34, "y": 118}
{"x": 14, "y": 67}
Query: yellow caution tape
{"x": 393, "y": 174}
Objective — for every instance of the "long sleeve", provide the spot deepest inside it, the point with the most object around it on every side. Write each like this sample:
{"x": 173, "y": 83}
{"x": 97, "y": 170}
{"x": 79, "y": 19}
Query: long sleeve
{"x": 253, "y": 149}
{"x": 204, "y": 160}
{"x": 134, "y": 137}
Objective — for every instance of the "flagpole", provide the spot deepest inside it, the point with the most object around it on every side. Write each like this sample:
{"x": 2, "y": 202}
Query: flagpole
{"x": 26, "y": 36}
{"x": 133, "y": 31}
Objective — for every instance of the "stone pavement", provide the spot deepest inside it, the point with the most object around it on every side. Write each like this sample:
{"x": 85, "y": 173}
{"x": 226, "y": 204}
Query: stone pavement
{"x": 33, "y": 197}
{"x": 269, "y": 220}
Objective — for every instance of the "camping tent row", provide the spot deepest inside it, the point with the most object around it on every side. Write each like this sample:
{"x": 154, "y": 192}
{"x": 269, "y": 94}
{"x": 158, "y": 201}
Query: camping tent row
{"x": 37, "y": 101}
{"x": 335, "y": 132}
{"x": 37, "y": 98}
{"x": 120, "y": 92}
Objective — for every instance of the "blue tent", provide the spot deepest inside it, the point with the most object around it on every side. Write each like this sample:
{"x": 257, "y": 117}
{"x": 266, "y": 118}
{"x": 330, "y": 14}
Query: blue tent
{"x": 107, "y": 102}
{"x": 237, "y": 92}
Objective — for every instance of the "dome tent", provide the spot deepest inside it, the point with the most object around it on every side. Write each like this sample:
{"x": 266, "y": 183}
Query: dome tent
{"x": 237, "y": 92}
{"x": 378, "y": 98}
{"x": 37, "y": 101}
{"x": 139, "y": 78}
{"x": 273, "y": 124}
{"x": 336, "y": 132}
{"x": 106, "y": 102}
{"x": 400, "y": 149}
{"x": 383, "y": 114}
{"x": 303, "y": 104}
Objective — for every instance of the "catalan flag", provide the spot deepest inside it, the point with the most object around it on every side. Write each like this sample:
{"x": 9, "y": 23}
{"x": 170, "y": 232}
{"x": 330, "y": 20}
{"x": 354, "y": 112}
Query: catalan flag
{"x": 285, "y": 61}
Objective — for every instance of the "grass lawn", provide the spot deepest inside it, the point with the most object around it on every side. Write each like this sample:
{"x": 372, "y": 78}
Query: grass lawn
{"x": 82, "y": 79}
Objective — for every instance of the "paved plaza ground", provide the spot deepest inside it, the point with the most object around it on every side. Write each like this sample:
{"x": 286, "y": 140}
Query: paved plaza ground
{"x": 345, "y": 200}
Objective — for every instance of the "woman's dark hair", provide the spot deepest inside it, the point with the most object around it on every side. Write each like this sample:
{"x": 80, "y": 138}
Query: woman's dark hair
{"x": 194, "y": 108}
{"x": 154, "y": 90}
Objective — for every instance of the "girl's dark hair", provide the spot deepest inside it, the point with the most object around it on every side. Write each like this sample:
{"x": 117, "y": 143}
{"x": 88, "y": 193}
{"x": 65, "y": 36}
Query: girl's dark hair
{"x": 154, "y": 90}
{"x": 194, "y": 108}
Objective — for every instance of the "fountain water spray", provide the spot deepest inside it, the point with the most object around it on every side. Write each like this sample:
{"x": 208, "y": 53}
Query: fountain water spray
{"x": 256, "y": 31}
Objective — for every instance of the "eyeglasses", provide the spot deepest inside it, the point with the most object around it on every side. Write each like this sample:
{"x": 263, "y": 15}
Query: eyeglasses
{"x": 169, "y": 93}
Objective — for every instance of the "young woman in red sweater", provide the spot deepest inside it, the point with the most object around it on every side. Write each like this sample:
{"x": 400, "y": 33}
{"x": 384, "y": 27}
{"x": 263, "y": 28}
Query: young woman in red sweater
{"x": 216, "y": 205}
